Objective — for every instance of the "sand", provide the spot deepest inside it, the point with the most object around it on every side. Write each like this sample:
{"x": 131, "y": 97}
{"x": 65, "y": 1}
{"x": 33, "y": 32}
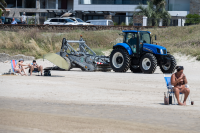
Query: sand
{"x": 95, "y": 102}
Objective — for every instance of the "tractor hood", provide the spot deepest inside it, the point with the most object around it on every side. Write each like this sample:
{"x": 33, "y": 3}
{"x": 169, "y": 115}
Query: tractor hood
{"x": 155, "y": 49}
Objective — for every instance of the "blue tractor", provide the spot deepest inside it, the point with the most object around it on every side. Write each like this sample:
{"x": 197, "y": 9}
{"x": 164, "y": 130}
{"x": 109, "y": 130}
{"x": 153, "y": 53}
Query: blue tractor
{"x": 138, "y": 53}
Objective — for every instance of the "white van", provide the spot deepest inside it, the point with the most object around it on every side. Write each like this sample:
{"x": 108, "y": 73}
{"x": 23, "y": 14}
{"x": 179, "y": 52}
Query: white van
{"x": 59, "y": 21}
{"x": 104, "y": 22}
{"x": 78, "y": 21}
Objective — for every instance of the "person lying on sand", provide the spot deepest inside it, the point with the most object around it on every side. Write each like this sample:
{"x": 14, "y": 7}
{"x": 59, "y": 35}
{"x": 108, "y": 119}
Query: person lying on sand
{"x": 35, "y": 67}
{"x": 19, "y": 67}
{"x": 178, "y": 80}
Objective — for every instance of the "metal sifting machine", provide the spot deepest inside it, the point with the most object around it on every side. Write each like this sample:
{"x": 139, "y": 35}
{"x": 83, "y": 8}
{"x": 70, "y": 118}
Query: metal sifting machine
{"x": 84, "y": 57}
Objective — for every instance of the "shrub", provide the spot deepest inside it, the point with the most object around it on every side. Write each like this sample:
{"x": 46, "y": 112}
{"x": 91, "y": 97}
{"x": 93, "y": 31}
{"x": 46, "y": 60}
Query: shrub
{"x": 193, "y": 19}
{"x": 115, "y": 24}
{"x": 123, "y": 24}
{"x": 198, "y": 58}
{"x": 31, "y": 20}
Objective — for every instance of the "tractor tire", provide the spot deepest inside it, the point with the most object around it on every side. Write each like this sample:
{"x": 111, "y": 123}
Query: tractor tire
{"x": 120, "y": 60}
{"x": 69, "y": 62}
{"x": 135, "y": 69}
{"x": 170, "y": 68}
{"x": 148, "y": 63}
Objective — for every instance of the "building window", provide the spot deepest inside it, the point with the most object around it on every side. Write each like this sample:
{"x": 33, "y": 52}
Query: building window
{"x": 11, "y": 3}
{"x": 47, "y": 4}
{"x": 59, "y": 4}
{"x": 52, "y": 4}
{"x": 62, "y": 4}
{"x": 21, "y": 3}
{"x": 29, "y": 3}
{"x": 120, "y": 2}
{"x": 178, "y": 5}
{"x": 43, "y": 4}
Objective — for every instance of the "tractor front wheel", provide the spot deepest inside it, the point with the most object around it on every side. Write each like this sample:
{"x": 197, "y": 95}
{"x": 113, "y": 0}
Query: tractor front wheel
{"x": 148, "y": 63}
{"x": 169, "y": 68}
{"x": 119, "y": 60}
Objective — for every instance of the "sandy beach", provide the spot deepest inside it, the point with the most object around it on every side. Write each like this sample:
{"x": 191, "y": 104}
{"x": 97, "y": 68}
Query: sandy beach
{"x": 96, "y": 102}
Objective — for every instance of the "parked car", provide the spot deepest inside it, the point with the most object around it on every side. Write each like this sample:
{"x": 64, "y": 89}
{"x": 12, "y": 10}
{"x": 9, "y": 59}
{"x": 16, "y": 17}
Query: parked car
{"x": 8, "y": 20}
{"x": 79, "y": 21}
{"x": 104, "y": 22}
{"x": 59, "y": 21}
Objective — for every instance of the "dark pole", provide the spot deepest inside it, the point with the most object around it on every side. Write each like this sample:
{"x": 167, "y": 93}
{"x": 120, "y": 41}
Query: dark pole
{"x": 168, "y": 5}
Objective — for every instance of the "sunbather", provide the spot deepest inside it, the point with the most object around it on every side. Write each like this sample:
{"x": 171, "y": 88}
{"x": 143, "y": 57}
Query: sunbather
{"x": 179, "y": 80}
{"x": 19, "y": 67}
{"x": 35, "y": 67}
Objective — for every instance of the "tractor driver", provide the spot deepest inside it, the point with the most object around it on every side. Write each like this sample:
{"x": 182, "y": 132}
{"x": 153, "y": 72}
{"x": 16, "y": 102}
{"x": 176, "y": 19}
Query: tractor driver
{"x": 133, "y": 42}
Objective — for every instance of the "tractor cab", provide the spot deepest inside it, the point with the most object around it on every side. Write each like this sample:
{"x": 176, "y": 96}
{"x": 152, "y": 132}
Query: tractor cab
{"x": 136, "y": 40}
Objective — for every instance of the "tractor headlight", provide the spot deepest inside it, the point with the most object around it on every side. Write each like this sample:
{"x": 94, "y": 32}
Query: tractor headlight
{"x": 161, "y": 51}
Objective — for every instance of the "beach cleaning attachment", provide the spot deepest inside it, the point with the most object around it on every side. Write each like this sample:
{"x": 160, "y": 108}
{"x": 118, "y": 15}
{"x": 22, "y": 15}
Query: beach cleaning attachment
{"x": 84, "y": 57}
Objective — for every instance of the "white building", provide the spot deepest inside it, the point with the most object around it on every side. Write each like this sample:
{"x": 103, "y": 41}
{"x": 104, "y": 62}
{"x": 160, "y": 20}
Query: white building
{"x": 119, "y": 10}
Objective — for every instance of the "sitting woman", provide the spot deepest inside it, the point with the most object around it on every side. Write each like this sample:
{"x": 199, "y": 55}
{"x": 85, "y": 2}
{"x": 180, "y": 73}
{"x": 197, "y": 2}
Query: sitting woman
{"x": 19, "y": 67}
{"x": 178, "y": 80}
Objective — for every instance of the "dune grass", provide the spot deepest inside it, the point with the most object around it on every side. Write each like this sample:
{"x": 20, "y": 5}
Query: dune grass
{"x": 34, "y": 43}
{"x": 185, "y": 40}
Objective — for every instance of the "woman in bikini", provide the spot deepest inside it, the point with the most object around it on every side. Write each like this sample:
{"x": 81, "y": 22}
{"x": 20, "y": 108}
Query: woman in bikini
{"x": 19, "y": 67}
{"x": 178, "y": 80}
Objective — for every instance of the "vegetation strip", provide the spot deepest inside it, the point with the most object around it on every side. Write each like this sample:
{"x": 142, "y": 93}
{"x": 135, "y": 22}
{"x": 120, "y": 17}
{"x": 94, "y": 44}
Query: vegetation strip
{"x": 184, "y": 40}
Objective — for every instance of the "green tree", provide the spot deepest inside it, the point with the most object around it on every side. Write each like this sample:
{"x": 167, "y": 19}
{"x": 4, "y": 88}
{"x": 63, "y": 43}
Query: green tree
{"x": 155, "y": 10}
{"x": 3, "y": 4}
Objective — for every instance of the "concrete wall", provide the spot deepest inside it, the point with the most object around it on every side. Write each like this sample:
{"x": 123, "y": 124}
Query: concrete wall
{"x": 195, "y": 7}
{"x": 14, "y": 12}
{"x": 178, "y": 13}
{"x": 137, "y": 19}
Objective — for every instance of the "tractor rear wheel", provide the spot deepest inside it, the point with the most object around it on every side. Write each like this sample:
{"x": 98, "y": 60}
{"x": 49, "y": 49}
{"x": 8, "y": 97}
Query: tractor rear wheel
{"x": 120, "y": 60}
{"x": 135, "y": 69}
{"x": 69, "y": 62}
{"x": 170, "y": 68}
{"x": 148, "y": 63}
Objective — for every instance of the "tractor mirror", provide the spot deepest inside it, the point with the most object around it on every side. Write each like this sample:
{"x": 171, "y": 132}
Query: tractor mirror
{"x": 155, "y": 37}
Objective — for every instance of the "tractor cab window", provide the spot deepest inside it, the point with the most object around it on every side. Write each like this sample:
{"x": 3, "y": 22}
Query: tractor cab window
{"x": 145, "y": 37}
{"x": 131, "y": 39}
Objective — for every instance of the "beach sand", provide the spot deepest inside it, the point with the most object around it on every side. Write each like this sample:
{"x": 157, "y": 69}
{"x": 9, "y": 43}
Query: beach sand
{"x": 96, "y": 102}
